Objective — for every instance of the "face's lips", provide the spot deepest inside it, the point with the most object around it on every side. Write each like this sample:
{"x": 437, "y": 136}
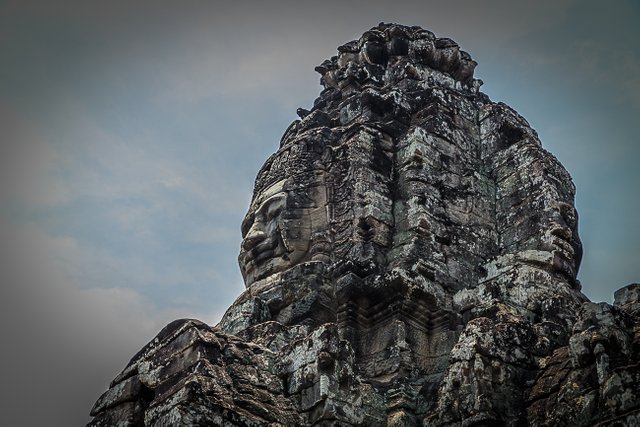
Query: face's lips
{"x": 562, "y": 241}
{"x": 260, "y": 256}
{"x": 264, "y": 249}
{"x": 565, "y": 252}
{"x": 562, "y": 232}
{"x": 264, "y": 255}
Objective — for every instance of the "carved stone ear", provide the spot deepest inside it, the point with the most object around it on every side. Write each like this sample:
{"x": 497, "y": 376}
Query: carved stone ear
{"x": 284, "y": 239}
{"x": 320, "y": 246}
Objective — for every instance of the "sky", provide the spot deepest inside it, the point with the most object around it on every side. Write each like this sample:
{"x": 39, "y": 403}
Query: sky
{"x": 131, "y": 133}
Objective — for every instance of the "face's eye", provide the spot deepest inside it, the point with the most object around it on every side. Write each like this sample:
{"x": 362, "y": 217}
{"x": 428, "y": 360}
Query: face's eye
{"x": 264, "y": 213}
{"x": 274, "y": 210}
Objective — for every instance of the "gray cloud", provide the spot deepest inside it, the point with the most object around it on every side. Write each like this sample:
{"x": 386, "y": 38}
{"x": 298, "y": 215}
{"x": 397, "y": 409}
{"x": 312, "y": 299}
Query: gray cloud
{"x": 61, "y": 341}
{"x": 132, "y": 131}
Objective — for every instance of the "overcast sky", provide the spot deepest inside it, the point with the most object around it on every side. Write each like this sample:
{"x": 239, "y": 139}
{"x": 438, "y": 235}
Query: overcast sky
{"x": 131, "y": 135}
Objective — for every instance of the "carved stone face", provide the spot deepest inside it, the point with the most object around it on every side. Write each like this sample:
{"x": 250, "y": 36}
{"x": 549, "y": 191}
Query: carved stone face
{"x": 561, "y": 238}
{"x": 277, "y": 232}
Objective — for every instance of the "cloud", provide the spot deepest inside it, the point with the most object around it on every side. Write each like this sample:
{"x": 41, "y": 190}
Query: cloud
{"x": 132, "y": 132}
{"x": 195, "y": 50}
{"x": 26, "y": 162}
{"x": 128, "y": 210}
{"x": 629, "y": 78}
{"x": 62, "y": 343}
{"x": 612, "y": 67}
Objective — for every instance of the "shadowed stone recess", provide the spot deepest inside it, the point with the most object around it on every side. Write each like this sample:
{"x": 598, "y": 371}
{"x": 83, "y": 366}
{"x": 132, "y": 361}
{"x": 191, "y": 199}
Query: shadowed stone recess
{"x": 410, "y": 258}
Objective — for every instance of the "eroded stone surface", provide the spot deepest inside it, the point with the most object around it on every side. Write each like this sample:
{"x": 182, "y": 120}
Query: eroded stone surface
{"x": 595, "y": 379}
{"x": 410, "y": 255}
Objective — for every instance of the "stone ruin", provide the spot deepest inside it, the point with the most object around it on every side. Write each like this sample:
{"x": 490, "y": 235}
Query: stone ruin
{"x": 410, "y": 257}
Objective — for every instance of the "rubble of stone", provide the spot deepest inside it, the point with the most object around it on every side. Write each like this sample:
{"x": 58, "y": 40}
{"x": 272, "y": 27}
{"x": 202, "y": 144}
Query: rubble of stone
{"x": 410, "y": 256}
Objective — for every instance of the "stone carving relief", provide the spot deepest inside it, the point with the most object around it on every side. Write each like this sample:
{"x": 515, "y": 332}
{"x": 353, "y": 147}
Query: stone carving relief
{"x": 410, "y": 255}
{"x": 280, "y": 230}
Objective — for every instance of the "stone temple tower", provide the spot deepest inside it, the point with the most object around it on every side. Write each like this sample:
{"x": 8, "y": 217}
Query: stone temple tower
{"x": 410, "y": 258}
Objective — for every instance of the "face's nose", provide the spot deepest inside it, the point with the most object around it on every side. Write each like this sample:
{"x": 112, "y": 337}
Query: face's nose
{"x": 254, "y": 236}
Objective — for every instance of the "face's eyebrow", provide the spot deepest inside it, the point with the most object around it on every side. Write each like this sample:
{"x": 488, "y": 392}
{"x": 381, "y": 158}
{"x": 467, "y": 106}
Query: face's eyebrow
{"x": 265, "y": 205}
